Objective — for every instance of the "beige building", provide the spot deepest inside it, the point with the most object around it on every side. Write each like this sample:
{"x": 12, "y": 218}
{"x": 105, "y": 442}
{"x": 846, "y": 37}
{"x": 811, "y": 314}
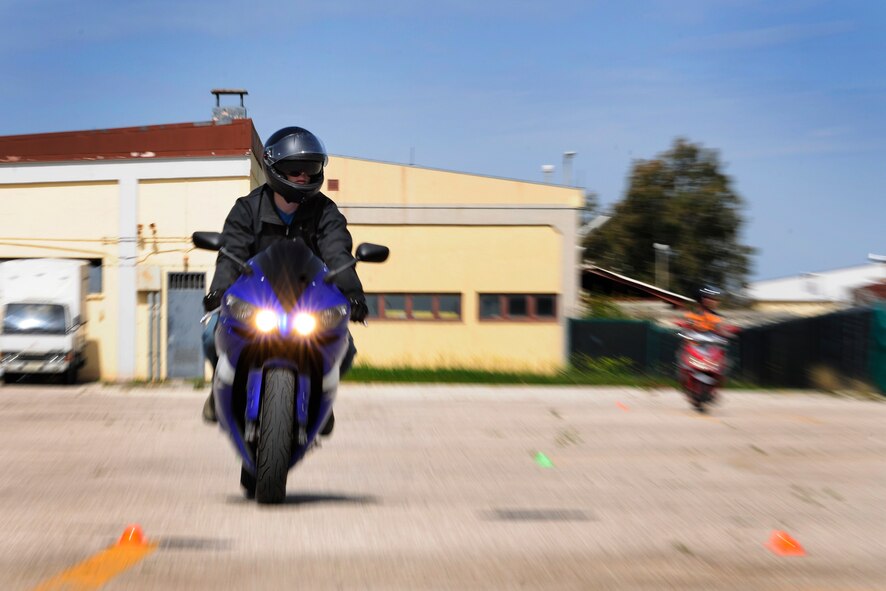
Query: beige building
{"x": 482, "y": 270}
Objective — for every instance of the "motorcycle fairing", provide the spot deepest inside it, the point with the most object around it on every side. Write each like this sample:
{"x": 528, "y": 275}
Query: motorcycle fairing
{"x": 287, "y": 279}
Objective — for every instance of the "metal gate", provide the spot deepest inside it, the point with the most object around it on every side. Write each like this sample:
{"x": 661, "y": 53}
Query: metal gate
{"x": 184, "y": 347}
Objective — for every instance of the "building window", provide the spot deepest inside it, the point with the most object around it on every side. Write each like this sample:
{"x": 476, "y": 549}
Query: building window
{"x": 332, "y": 184}
{"x": 95, "y": 275}
{"x": 394, "y": 307}
{"x": 449, "y": 307}
{"x": 518, "y": 307}
{"x": 414, "y": 306}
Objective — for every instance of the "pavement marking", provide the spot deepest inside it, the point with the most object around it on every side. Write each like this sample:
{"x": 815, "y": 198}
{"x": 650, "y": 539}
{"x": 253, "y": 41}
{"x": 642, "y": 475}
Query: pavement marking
{"x": 808, "y": 420}
{"x": 97, "y": 570}
{"x": 707, "y": 418}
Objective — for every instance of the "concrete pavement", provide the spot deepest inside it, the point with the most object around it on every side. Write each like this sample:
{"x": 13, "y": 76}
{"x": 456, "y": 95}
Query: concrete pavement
{"x": 437, "y": 487}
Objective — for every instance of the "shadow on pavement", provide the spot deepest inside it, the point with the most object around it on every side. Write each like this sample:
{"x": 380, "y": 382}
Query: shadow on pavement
{"x": 197, "y": 544}
{"x": 318, "y": 498}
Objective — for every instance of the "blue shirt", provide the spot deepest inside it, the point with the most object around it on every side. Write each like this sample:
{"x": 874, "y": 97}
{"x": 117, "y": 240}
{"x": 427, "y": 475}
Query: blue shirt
{"x": 286, "y": 217}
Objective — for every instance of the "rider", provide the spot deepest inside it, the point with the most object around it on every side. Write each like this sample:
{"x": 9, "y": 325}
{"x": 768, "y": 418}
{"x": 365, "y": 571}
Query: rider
{"x": 288, "y": 207}
{"x": 706, "y": 319}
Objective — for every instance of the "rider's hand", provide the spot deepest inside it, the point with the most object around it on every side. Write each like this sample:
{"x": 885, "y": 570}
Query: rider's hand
{"x": 359, "y": 309}
{"x": 212, "y": 300}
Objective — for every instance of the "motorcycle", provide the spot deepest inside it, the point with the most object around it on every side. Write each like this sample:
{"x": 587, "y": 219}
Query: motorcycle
{"x": 701, "y": 365}
{"x": 281, "y": 338}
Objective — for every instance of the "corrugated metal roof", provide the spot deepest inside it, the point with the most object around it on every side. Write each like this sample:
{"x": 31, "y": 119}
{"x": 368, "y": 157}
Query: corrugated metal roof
{"x": 179, "y": 140}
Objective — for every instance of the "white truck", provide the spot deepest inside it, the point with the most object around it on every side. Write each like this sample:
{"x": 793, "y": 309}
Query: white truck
{"x": 42, "y": 313}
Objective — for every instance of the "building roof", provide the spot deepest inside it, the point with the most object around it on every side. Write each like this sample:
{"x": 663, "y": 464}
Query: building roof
{"x": 829, "y": 286}
{"x": 874, "y": 292}
{"x": 180, "y": 140}
{"x": 592, "y": 274}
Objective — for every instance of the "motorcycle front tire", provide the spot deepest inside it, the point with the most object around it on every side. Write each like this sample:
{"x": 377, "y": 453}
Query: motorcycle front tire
{"x": 275, "y": 435}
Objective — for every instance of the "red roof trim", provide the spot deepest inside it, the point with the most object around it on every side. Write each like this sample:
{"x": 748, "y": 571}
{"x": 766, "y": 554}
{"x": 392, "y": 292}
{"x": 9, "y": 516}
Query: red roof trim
{"x": 179, "y": 140}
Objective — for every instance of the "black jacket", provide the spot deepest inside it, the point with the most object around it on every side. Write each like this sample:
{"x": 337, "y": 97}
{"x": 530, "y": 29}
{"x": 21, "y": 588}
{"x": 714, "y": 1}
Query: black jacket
{"x": 253, "y": 225}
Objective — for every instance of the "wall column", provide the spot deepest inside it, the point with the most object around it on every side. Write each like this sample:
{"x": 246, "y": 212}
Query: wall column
{"x": 127, "y": 255}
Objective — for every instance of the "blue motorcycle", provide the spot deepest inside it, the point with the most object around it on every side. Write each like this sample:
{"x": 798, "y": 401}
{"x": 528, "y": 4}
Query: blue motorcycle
{"x": 282, "y": 335}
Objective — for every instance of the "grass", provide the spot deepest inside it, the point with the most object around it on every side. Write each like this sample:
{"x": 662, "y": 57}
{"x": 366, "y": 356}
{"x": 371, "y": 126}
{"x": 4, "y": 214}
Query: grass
{"x": 572, "y": 376}
{"x": 584, "y": 371}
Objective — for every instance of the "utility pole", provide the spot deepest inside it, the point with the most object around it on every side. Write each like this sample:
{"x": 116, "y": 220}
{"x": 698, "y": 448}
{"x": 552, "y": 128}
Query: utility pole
{"x": 567, "y": 168}
{"x": 662, "y": 273}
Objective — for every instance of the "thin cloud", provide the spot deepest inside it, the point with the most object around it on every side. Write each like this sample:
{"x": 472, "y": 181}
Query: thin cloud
{"x": 766, "y": 37}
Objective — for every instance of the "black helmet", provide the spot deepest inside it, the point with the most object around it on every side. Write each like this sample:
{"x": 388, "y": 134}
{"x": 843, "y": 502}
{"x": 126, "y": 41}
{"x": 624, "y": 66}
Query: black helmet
{"x": 708, "y": 292}
{"x": 294, "y": 149}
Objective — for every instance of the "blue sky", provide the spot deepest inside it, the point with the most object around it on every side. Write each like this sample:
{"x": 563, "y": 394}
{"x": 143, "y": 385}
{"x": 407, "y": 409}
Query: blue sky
{"x": 792, "y": 93}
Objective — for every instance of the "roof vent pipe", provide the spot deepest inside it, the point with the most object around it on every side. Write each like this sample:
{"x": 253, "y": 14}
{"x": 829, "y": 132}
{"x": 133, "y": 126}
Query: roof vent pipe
{"x": 226, "y": 114}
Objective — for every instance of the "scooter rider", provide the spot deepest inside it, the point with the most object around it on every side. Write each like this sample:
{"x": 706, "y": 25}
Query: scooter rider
{"x": 288, "y": 207}
{"x": 706, "y": 319}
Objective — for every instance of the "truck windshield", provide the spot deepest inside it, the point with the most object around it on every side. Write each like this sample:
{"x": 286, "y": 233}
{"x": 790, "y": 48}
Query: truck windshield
{"x": 34, "y": 319}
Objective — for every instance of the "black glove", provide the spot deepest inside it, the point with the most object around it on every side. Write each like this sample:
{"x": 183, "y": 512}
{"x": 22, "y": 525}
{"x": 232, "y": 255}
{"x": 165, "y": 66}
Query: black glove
{"x": 359, "y": 309}
{"x": 212, "y": 300}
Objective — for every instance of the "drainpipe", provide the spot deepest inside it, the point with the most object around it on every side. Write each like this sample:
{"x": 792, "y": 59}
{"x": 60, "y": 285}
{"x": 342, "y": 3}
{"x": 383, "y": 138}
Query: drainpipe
{"x": 150, "y": 336}
{"x": 157, "y": 337}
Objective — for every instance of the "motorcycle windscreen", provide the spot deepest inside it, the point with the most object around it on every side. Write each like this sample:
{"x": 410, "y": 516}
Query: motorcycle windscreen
{"x": 289, "y": 266}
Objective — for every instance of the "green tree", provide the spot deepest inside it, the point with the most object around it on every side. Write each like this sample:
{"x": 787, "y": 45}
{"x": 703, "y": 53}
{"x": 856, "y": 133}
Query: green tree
{"x": 682, "y": 199}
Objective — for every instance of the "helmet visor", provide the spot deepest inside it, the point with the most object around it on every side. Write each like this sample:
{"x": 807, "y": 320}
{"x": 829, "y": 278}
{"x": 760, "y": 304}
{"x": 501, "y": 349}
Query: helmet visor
{"x": 297, "y": 167}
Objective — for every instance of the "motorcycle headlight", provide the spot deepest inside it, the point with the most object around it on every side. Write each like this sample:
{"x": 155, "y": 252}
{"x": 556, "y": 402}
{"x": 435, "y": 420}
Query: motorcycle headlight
{"x": 702, "y": 365}
{"x": 304, "y": 323}
{"x": 332, "y": 317}
{"x": 262, "y": 319}
{"x": 266, "y": 320}
{"x": 239, "y": 309}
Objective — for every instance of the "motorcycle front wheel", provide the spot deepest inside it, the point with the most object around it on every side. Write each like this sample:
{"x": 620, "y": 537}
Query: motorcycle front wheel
{"x": 702, "y": 397}
{"x": 274, "y": 447}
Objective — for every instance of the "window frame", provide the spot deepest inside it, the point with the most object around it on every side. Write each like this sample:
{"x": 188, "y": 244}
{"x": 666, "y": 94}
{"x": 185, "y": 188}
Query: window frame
{"x": 531, "y": 308}
{"x": 408, "y": 305}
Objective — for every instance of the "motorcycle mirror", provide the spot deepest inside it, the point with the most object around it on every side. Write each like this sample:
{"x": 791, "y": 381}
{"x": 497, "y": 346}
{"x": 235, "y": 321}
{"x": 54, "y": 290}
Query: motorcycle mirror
{"x": 372, "y": 253}
{"x": 213, "y": 241}
{"x": 207, "y": 240}
{"x": 366, "y": 253}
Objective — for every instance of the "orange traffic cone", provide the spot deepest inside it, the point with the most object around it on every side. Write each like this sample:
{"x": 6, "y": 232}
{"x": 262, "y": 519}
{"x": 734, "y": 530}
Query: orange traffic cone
{"x": 132, "y": 536}
{"x": 783, "y": 544}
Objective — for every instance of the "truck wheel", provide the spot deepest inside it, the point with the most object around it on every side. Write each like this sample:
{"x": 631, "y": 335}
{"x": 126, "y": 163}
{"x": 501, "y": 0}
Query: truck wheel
{"x": 274, "y": 447}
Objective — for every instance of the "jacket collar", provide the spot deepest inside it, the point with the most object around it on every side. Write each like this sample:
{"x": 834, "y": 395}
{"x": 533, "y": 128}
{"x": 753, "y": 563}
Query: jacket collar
{"x": 268, "y": 211}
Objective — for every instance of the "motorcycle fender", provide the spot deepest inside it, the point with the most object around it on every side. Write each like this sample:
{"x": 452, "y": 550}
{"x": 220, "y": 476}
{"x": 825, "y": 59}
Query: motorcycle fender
{"x": 331, "y": 379}
{"x": 224, "y": 371}
{"x": 705, "y": 378}
{"x": 302, "y": 396}
{"x": 253, "y": 393}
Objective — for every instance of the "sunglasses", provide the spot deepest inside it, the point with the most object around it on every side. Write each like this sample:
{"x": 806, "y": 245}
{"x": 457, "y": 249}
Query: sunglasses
{"x": 297, "y": 167}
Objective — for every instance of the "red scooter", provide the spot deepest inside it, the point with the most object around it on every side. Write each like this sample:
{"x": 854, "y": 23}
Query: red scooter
{"x": 701, "y": 364}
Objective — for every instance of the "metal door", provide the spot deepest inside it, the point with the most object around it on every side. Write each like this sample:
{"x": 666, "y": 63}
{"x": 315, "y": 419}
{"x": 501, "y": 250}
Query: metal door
{"x": 184, "y": 344}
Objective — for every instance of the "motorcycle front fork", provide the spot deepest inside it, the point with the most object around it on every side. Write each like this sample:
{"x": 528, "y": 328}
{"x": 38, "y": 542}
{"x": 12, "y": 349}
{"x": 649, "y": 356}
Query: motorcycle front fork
{"x": 253, "y": 398}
